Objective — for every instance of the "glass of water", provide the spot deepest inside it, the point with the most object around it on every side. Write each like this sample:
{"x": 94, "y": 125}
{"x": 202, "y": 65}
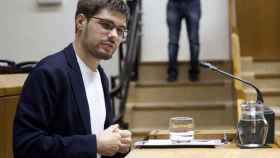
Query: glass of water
{"x": 181, "y": 129}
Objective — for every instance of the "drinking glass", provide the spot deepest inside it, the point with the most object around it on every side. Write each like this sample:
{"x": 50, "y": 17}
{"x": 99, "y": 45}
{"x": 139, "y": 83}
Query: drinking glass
{"x": 181, "y": 129}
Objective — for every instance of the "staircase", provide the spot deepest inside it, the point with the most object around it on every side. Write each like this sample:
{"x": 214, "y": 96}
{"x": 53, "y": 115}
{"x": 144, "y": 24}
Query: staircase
{"x": 265, "y": 74}
{"x": 152, "y": 100}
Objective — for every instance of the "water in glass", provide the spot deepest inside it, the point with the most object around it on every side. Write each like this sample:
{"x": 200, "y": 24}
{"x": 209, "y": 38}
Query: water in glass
{"x": 252, "y": 127}
{"x": 181, "y": 129}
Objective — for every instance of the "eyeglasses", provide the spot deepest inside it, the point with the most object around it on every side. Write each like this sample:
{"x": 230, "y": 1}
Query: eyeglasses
{"x": 108, "y": 25}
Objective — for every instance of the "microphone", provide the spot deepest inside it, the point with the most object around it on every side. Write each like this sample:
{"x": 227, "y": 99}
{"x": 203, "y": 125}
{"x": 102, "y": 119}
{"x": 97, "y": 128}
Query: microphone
{"x": 211, "y": 67}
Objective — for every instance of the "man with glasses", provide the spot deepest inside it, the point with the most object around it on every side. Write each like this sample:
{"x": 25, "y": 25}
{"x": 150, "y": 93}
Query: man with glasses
{"x": 65, "y": 109}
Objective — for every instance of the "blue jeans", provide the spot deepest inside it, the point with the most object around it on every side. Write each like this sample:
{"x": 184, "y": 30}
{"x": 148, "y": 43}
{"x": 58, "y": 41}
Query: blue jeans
{"x": 177, "y": 10}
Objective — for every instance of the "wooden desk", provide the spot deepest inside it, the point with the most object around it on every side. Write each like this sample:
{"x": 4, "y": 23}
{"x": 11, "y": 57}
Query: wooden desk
{"x": 11, "y": 84}
{"x": 225, "y": 151}
{"x": 206, "y": 134}
{"x": 10, "y": 89}
{"x": 220, "y": 152}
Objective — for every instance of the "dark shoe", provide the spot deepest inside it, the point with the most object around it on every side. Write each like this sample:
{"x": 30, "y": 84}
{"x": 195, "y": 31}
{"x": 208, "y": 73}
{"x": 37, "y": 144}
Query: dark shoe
{"x": 193, "y": 75}
{"x": 171, "y": 78}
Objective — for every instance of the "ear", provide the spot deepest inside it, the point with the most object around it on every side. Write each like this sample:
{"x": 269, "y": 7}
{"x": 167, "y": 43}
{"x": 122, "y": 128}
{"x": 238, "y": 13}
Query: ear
{"x": 80, "y": 21}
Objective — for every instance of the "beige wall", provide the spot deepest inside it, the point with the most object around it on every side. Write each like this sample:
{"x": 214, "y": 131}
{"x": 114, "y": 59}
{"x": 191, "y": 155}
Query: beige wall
{"x": 214, "y": 31}
{"x": 30, "y": 32}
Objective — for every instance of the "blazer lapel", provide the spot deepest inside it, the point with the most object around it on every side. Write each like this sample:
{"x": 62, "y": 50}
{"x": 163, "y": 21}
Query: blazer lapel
{"x": 78, "y": 87}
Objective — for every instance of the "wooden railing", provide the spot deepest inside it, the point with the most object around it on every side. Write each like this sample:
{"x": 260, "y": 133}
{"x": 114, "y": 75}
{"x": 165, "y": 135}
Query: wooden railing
{"x": 236, "y": 57}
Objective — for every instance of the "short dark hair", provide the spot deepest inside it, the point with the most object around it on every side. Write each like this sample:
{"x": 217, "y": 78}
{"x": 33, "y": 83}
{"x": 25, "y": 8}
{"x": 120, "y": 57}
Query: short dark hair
{"x": 92, "y": 7}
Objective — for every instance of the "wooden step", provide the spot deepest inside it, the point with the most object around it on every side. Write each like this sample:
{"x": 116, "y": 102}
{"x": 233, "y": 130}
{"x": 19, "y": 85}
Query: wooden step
{"x": 157, "y": 71}
{"x": 271, "y": 95}
{"x": 267, "y": 75}
{"x": 263, "y": 67}
{"x": 261, "y": 80}
{"x": 180, "y": 91}
{"x": 154, "y": 106}
{"x": 272, "y": 101}
{"x": 249, "y": 76}
{"x": 246, "y": 64}
{"x": 266, "y": 60}
{"x": 265, "y": 91}
{"x": 264, "y": 83}
{"x": 155, "y": 115}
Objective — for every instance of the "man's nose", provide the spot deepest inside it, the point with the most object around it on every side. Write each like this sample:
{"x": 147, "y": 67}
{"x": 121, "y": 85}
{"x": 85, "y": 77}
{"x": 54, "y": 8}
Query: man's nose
{"x": 114, "y": 33}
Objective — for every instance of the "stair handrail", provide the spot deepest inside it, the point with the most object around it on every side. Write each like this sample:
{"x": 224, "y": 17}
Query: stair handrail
{"x": 236, "y": 57}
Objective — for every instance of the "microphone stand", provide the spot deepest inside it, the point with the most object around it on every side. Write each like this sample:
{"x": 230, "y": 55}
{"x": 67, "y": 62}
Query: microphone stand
{"x": 269, "y": 115}
{"x": 211, "y": 67}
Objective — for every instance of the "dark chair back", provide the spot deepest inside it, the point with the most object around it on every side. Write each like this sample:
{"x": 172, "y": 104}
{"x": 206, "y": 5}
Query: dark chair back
{"x": 25, "y": 67}
{"x": 11, "y": 67}
{"x": 7, "y": 66}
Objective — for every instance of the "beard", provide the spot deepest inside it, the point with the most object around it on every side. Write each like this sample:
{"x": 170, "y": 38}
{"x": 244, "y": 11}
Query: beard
{"x": 102, "y": 49}
{"x": 101, "y": 55}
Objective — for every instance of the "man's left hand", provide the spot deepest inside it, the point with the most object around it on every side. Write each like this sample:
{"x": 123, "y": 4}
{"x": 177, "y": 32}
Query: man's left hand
{"x": 125, "y": 141}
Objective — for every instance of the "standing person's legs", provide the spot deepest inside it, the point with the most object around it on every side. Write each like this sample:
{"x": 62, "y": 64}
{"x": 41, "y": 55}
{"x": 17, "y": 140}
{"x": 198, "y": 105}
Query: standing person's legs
{"x": 174, "y": 28}
{"x": 193, "y": 14}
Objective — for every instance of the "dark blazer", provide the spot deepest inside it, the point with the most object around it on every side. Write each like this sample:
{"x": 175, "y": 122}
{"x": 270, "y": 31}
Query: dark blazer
{"x": 52, "y": 118}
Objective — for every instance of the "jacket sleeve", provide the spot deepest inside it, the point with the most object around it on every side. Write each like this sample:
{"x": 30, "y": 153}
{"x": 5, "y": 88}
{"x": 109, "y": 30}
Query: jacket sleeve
{"x": 31, "y": 136}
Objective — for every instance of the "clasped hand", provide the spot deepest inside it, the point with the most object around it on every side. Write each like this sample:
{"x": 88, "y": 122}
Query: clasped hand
{"x": 113, "y": 140}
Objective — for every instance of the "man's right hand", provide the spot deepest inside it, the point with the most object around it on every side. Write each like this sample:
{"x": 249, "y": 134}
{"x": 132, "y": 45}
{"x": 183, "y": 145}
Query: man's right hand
{"x": 108, "y": 142}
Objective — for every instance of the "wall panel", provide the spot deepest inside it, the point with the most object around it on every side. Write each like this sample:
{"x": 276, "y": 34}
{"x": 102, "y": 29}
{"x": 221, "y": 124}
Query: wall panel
{"x": 258, "y": 25}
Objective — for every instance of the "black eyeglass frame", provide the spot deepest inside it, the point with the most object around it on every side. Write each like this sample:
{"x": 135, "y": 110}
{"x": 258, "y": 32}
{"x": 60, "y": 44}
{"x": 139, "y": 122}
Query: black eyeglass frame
{"x": 110, "y": 25}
